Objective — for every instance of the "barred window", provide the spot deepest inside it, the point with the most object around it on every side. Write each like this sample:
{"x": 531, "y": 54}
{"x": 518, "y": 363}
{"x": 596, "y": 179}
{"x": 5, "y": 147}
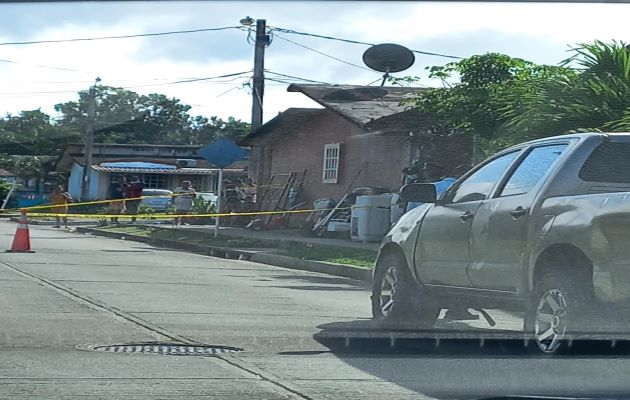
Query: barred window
{"x": 330, "y": 171}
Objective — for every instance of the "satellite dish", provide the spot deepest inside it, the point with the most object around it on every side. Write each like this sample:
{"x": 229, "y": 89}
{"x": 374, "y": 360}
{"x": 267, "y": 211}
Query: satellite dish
{"x": 388, "y": 57}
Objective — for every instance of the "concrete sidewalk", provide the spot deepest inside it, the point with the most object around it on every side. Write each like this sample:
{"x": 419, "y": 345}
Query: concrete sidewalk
{"x": 284, "y": 235}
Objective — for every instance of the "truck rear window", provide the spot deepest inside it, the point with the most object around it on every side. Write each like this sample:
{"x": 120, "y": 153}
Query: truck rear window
{"x": 609, "y": 162}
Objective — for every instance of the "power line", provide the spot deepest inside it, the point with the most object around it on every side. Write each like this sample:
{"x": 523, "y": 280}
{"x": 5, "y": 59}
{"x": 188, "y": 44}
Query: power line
{"x": 120, "y": 36}
{"x": 237, "y": 74}
{"x": 290, "y": 31}
{"x": 324, "y": 54}
{"x": 297, "y": 78}
{"x": 47, "y": 66}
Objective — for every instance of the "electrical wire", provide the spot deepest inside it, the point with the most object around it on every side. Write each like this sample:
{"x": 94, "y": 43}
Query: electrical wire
{"x": 47, "y": 66}
{"x": 290, "y": 31}
{"x": 237, "y": 74}
{"x": 189, "y": 80}
{"x": 324, "y": 54}
{"x": 279, "y": 81}
{"x": 120, "y": 36}
{"x": 297, "y": 78}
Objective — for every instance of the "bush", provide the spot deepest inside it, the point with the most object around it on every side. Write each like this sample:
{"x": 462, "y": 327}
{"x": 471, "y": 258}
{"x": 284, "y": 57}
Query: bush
{"x": 201, "y": 206}
{"x": 4, "y": 189}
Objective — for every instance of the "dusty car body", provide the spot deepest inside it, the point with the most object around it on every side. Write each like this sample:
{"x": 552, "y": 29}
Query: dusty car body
{"x": 543, "y": 226}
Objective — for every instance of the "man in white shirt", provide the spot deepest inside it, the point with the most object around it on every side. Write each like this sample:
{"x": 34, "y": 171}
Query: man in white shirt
{"x": 183, "y": 200}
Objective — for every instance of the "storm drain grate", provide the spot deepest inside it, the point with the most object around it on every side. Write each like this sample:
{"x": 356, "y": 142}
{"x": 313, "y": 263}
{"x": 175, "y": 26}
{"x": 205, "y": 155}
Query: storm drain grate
{"x": 167, "y": 349}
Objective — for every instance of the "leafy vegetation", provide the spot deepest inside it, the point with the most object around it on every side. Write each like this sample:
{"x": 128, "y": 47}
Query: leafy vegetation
{"x": 122, "y": 116}
{"x": 500, "y": 100}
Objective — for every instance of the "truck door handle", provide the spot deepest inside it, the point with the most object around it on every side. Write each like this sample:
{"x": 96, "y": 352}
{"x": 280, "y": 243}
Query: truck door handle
{"x": 466, "y": 216}
{"x": 518, "y": 212}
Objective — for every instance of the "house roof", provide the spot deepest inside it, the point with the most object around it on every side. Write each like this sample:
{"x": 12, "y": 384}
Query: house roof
{"x": 288, "y": 121}
{"x": 361, "y": 105}
{"x": 4, "y": 172}
{"x": 114, "y": 152}
{"x": 168, "y": 171}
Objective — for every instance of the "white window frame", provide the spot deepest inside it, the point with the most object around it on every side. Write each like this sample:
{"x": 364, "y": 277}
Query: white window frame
{"x": 330, "y": 168}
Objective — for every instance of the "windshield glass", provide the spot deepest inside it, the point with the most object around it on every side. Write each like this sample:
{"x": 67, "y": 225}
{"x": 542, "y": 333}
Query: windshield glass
{"x": 202, "y": 199}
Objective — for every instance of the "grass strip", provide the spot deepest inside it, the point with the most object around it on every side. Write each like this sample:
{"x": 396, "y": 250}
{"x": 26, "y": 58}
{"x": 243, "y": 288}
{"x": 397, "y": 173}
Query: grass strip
{"x": 338, "y": 255}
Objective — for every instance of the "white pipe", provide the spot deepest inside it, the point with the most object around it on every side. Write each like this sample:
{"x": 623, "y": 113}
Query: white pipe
{"x": 218, "y": 208}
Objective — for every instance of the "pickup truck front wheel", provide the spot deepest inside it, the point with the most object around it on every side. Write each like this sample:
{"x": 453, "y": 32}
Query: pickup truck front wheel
{"x": 558, "y": 308}
{"x": 397, "y": 300}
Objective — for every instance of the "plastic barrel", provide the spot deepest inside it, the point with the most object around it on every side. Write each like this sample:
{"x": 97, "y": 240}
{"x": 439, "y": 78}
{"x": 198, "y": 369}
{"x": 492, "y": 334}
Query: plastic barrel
{"x": 373, "y": 217}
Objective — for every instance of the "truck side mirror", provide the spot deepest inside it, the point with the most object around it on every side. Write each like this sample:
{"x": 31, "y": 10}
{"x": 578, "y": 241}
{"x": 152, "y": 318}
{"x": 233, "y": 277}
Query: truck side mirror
{"x": 418, "y": 193}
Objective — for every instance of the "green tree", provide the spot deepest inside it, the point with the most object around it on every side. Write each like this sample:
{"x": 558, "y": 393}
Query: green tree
{"x": 7, "y": 162}
{"x": 489, "y": 87}
{"x": 597, "y": 98}
{"x": 32, "y": 132}
{"x": 30, "y": 167}
{"x": 123, "y": 116}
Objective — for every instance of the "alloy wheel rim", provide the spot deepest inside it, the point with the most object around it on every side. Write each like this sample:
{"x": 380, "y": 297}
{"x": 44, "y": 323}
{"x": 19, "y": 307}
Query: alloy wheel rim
{"x": 388, "y": 289}
{"x": 551, "y": 321}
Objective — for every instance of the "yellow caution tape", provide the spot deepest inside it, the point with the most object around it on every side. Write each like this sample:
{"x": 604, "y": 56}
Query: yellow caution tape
{"x": 83, "y": 203}
{"x": 170, "y": 216}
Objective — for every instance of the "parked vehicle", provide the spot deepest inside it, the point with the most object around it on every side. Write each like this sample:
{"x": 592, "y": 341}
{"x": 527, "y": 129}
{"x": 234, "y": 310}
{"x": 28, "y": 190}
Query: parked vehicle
{"x": 542, "y": 226}
{"x": 209, "y": 197}
{"x": 157, "y": 203}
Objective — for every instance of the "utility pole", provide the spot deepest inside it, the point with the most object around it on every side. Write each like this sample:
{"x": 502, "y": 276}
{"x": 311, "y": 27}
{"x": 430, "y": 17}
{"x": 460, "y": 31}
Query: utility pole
{"x": 258, "y": 91}
{"x": 258, "y": 156}
{"x": 89, "y": 141}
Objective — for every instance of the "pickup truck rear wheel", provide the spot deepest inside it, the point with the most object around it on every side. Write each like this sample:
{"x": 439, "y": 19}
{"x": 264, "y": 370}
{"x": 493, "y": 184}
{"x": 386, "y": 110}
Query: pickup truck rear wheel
{"x": 397, "y": 300}
{"x": 559, "y": 306}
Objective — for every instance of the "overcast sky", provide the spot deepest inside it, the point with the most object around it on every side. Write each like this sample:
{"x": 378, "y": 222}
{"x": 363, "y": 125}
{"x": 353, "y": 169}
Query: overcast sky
{"x": 538, "y": 32}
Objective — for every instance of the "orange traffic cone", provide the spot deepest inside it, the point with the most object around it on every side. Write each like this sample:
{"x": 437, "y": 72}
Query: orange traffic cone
{"x": 22, "y": 239}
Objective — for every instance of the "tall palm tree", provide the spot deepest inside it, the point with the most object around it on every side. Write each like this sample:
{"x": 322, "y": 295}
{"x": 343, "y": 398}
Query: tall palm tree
{"x": 597, "y": 98}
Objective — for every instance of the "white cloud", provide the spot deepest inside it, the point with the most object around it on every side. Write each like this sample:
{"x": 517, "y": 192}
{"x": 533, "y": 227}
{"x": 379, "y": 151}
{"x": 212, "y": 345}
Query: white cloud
{"x": 539, "y": 32}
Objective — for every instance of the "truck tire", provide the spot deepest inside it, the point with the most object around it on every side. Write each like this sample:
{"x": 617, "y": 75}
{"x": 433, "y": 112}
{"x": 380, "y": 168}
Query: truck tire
{"x": 397, "y": 300}
{"x": 560, "y": 306}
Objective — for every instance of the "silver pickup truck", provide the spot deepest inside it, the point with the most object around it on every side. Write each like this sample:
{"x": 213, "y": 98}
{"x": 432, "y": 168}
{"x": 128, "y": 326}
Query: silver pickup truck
{"x": 544, "y": 226}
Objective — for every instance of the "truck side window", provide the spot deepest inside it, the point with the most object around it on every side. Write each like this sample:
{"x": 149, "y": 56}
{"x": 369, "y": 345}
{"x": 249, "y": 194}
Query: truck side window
{"x": 609, "y": 162}
{"x": 532, "y": 169}
{"x": 479, "y": 185}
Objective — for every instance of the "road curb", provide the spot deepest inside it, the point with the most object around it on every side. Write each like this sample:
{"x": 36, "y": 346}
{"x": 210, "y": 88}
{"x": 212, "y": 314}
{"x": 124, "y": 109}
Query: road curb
{"x": 341, "y": 270}
{"x": 35, "y": 222}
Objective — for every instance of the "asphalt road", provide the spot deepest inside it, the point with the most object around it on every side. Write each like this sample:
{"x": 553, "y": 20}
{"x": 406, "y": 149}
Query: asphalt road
{"x": 78, "y": 290}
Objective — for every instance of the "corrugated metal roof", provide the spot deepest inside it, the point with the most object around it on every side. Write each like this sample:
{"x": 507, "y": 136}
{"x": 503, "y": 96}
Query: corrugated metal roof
{"x": 169, "y": 171}
{"x": 137, "y": 164}
{"x": 4, "y": 172}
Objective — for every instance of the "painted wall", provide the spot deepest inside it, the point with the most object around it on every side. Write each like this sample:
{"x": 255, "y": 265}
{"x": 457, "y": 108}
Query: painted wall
{"x": 99, "y": 183}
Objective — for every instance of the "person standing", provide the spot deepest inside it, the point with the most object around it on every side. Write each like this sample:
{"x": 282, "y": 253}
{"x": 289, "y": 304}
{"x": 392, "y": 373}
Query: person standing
{"x": 231, "y": 200}
{"x": 60, "y": 199}
{"x": 117, "y": 194}
{"x": 134, "y": 192}
{"x": 183, "y": 200}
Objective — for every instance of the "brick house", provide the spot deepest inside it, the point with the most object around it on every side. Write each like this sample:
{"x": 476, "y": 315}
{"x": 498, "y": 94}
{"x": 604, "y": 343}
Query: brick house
{"x": 362, "y": 137}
